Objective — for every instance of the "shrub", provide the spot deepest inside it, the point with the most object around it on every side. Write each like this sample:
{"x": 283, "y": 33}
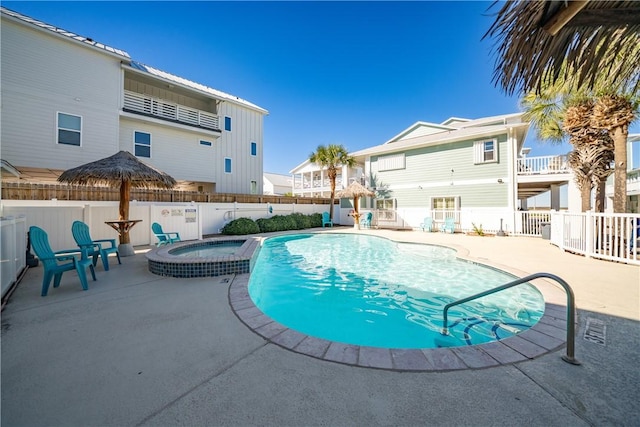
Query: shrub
{"x": 316, "y": 220}
{"x": 478, "y": 229}
{"x": 295, "y": 221}
{"x": 241, "y": 226}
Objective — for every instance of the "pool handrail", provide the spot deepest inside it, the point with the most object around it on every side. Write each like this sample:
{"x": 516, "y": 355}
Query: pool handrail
{"x": 571, "y": 309}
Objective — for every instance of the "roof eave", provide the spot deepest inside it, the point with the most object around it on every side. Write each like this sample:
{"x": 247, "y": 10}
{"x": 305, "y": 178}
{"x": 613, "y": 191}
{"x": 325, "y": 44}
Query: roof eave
{"x": 390, "y": 148}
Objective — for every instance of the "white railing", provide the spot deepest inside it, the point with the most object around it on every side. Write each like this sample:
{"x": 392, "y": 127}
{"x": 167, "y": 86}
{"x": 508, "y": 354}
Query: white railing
{"x": 157, "y": 107}
{"x": 13, "y": 250}
{"x": 613, "y": 237}
{"x": 543, "y": 165}
{"x": 532, "y": 223}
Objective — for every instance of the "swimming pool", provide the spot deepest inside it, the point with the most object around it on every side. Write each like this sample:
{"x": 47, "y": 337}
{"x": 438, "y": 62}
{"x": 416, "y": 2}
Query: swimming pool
{"x": 370, "y": 291}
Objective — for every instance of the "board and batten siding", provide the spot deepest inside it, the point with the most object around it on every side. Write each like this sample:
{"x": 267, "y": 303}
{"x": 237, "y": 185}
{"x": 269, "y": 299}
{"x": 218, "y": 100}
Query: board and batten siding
{"x": 43, "y": 74}
{"x": 246, "y": 127}
{"x": 428, "y": 173}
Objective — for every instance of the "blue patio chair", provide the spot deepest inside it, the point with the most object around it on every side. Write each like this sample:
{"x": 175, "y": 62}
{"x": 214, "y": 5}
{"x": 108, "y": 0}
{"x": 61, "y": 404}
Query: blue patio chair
{"x": 326, "y": 220}
{"x": 427, "y": 224}
{"x": 56, "y": 263}
{"x": 449, "y": 225}
{"x": 164, "y": 238}
{"x": 365, "y": 221}
{"x": 94, "y": 248}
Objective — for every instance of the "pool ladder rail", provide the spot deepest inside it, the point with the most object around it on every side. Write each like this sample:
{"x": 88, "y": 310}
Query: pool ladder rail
{"x": 569, "y": 357}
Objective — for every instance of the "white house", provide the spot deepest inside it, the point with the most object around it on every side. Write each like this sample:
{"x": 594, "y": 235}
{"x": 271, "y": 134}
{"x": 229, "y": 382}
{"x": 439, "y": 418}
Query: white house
{"x": 68, "y": 100}
{"x": 276, "y": 184}
{"x": 310, "y": 180}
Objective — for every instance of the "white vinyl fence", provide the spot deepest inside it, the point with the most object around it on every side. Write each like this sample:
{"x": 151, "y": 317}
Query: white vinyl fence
{"x": 519, "y": 223}
{"x": 613, "y": 237}
{"x": 13, "y": 250}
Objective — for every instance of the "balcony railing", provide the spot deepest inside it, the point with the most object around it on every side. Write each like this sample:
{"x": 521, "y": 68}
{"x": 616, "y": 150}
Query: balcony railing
{"x": 156, "y": 107}
{"x": 543, "y": 165}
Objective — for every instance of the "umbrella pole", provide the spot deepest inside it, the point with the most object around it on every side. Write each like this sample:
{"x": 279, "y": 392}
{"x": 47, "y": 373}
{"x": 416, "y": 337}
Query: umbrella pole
{"x": 125, "y": 248}
{"x": 356, "y": 216}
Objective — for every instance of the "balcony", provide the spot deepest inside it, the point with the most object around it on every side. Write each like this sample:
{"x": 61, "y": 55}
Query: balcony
{"x": 543, "y": 165}
{"x": 161, "y": 109}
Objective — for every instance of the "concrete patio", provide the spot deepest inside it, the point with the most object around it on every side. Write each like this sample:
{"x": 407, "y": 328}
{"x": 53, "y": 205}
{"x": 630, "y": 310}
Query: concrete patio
{"x": 140, "y": 349}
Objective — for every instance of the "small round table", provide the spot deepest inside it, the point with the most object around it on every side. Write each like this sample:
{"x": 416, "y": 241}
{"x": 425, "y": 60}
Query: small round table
{"x": 122, "y": 226}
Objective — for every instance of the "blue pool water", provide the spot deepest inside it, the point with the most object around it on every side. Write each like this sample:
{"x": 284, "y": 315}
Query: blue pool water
{"x": 210, "y": 250}
{"x": 370, "y": 291}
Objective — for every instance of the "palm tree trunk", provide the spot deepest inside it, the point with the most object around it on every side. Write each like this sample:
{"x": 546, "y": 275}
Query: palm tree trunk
{"x": 600, "y": 194}
{"x": 585, "y": 195}
{"x": 619, "y": 136}
{"x": 332, "y": 177}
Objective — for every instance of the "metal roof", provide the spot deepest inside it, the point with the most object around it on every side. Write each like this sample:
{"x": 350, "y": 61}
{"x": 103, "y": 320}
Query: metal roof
{"x": 128, "y": 62}
{"x": 193, "y": 85}
{"x": 62, "y": 32}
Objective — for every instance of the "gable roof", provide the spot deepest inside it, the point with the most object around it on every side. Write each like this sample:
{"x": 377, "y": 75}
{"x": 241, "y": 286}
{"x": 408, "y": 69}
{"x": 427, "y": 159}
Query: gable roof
{"x": 424, "y": 128}
{"x": 479, "y": 128}
{"x": 278, "y": 180}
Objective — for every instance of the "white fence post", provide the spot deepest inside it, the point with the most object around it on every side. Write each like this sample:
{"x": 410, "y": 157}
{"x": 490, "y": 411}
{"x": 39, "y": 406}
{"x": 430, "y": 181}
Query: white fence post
{"x": 588, "y": 234}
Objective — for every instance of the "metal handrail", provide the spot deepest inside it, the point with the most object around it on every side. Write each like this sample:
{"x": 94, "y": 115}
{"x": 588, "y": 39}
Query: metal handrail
{"x": 571, "y": 309}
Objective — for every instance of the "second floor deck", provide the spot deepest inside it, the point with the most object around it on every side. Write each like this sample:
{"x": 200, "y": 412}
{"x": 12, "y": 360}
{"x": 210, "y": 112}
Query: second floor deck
{"x": 149, "y": 106}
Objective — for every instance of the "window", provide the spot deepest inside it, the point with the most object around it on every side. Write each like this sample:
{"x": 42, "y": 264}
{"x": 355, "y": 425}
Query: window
{"x": 69, "y": 129}
{"x": 386, "y": 210}
{"x": 142, "y": 144}
{"x": 444, "y": 207}
{"x": 254, "y": 187}
{"x": 227, "y": 165}
{"x": 386, "y": 204}
{"x": 394, "y": 161}
{"x": 207, "y": 143}
{"x": 227, "y": 123}
{"x": 485, "y": 151}
{"x": 254, "y": 149}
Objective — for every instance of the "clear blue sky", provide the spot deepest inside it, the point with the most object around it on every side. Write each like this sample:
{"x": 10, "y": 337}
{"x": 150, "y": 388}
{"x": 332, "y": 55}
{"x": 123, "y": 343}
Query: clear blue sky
{"x": 351, "y": 73}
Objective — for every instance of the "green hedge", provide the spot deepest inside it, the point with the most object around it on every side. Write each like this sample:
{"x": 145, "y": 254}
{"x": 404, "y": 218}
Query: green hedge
{"x": 295, "y": 221}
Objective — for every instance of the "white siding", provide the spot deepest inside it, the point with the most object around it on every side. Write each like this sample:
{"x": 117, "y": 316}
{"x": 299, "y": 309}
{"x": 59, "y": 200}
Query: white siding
{"x": 174, "y": 151}
{"x": 43, "y": 74}
{"x": 246, "y": 126}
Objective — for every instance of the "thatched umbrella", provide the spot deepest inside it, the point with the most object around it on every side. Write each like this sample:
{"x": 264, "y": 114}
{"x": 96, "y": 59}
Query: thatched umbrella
{"x": 354, "y": 191}
{"x": 122, "y": 170}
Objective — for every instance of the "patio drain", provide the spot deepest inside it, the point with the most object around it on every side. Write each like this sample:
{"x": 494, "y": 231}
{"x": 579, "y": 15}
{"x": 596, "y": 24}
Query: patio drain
{"x": 596, "y": 331}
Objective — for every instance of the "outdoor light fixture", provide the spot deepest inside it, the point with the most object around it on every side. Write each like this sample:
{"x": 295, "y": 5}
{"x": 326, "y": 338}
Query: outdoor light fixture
{"x": 500, "y": 181}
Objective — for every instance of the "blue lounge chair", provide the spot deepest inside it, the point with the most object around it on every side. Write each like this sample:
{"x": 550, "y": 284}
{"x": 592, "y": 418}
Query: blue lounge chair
{"x": 427, "y": 224}
{"x": 365, "y": 221}
{"x": 449, "y": 225}
{"x": 54, "y": 262}
{"x": 164, "y": 238}
{"x": 326, "y": 220}
{"x": 94, "y": 248}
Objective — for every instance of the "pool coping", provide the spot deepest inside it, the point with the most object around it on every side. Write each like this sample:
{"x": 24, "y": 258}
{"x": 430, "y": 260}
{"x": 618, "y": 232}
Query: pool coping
{"x": 546, "y": 336}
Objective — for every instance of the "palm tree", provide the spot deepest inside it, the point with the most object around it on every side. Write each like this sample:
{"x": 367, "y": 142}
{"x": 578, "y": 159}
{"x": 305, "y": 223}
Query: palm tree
{"x": 592, "y": 155}
{"x": 549, "y": 111}
{"x": 330, "y": 157}
{"x": 614, "y": 113}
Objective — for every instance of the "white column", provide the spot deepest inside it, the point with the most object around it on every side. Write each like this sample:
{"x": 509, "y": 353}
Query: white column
{"x": 555, "y": 197}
